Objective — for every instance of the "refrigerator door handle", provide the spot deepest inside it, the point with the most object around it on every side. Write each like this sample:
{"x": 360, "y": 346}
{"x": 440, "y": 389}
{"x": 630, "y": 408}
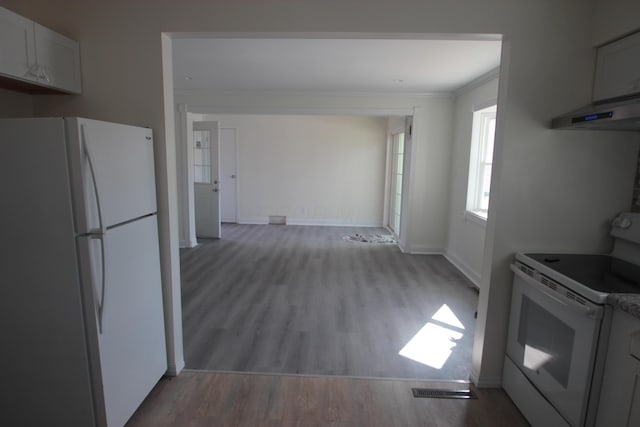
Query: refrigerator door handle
{"x": 103, "y": 278}
{"x": 97, "y": 293}
{"x": 101, "y": 232}
{"x": 94, "y": 182}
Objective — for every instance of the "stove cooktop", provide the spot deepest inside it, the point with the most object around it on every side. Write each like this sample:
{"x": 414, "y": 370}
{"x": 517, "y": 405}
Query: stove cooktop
{"x": 599, "y": 274}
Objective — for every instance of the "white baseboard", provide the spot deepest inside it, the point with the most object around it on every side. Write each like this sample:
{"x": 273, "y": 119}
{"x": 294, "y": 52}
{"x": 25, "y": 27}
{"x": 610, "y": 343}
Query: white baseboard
{"x": 174, "y": 369}
{"x": 488, "y": 382}
{"x": 420, "y": 249}
{"x": 255, "y": 221}
{"x": 464, "y": 268}
{"x": 312, "y": 221}
{"x": 188, "y": 243}
{"x": 333, "y": 222}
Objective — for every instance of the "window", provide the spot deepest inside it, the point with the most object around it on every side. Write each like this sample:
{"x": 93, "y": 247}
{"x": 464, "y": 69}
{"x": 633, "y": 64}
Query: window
{"x": 202, "y": 156}
{"x": 480, "y": 161}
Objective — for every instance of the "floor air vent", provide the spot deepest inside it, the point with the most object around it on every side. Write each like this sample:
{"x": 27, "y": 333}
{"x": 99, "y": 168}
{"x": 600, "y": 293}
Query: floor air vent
{"x": 277, "y": 220}
{"x": 435, "y": 393}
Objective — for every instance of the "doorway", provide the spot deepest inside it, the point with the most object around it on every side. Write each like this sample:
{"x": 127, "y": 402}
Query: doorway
{"x": 229, "y": 175}
{"x": 407, "y": 172}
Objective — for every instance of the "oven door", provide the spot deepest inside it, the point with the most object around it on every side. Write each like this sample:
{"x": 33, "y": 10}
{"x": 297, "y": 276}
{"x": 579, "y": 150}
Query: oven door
{"x": 552, "y": 339}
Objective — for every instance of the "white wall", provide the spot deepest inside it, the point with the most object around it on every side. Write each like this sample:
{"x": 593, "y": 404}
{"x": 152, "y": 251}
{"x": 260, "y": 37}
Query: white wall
{"x": 15, "y": 104}
{"x": 552, "y": 190}
{"x": 315, "y": 170}
{"x": 465, "y": 242}
{"x": 428, "y": 188}
{"x": 395, "y": 124}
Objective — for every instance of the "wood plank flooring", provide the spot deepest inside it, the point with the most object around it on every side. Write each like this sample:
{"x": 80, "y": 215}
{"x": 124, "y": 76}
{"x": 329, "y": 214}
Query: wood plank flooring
{"x": 302, "y": 300}
{"x": 196, "y": 399}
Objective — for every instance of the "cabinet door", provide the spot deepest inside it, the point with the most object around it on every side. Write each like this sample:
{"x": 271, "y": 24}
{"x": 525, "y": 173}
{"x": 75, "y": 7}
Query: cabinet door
{"x": 16, "y": 45}
{"x": 618, "y": 69}
{"x": 58, "y": 59}
{"x": 634, "y": 415}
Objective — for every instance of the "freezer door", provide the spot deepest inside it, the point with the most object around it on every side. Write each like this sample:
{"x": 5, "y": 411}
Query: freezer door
{"x": 112, "y": 170}
{"x": 128, "y": 312}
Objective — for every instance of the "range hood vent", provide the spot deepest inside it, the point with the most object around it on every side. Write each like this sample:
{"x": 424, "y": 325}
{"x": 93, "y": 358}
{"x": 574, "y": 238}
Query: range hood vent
{"x": 615, "y": 116}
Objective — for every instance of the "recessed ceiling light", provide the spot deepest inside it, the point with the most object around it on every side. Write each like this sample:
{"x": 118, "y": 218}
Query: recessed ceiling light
{"x": 188, "y": 78}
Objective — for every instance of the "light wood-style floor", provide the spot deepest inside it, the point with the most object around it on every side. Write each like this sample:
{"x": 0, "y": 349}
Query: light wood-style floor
{"x": 196, "y": 399}
{"x": 302, "y": 300}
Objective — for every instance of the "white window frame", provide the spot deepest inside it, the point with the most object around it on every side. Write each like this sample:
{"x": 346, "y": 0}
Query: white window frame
{"x": 479, "y": 161}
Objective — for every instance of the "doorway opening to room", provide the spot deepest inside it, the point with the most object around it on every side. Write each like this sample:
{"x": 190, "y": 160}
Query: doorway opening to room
{"x": 229, "y": 175}
{"x": 301, "y": 299}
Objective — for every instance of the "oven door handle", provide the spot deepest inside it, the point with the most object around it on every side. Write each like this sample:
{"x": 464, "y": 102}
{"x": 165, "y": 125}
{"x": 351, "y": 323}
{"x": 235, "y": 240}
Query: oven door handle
{"x": 561, "y": 299}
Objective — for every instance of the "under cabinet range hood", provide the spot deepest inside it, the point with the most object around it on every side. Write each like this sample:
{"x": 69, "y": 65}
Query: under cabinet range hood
{"x": 615, "y": 93}
{"x": 615, "y": 116}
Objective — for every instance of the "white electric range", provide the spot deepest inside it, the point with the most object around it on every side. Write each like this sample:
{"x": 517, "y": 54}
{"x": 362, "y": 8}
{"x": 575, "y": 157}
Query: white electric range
{"x": 559, "y": 326}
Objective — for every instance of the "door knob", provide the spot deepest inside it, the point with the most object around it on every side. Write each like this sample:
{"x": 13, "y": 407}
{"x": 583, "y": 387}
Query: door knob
{"x": 215, "y": 190}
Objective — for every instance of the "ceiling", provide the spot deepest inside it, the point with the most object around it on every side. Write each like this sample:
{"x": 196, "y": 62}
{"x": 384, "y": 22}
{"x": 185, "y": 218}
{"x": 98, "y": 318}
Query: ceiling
{"x": 330, "y": 65}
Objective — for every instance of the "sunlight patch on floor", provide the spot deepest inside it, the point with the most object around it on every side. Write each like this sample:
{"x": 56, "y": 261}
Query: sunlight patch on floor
{"x": 434, "y": 343}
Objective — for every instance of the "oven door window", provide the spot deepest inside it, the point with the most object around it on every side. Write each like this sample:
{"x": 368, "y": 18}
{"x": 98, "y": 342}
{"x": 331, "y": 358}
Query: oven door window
{"x": 547, "y": 341}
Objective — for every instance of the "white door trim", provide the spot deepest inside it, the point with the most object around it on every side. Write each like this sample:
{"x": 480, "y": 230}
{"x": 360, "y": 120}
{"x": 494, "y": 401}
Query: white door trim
{"x": 184, "y": 161}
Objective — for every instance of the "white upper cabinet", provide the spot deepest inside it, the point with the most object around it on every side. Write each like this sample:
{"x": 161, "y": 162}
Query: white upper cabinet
{"x": 618, "y": 69}
{"x": 17, "y": 44}
{"x": 34, "y": 54}
{"x": 58, "y": 59}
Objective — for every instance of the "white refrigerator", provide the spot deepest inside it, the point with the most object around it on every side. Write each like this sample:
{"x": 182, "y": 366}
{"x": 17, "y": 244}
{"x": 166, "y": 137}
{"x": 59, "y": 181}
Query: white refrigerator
{"x": 82, "y": 338}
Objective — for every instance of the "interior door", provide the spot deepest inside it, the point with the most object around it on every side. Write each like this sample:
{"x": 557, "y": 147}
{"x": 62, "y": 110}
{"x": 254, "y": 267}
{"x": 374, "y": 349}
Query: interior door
{"x": 228, "y": 175}
{"x": 206, "y": 178}
{"x": 395, "y": 196}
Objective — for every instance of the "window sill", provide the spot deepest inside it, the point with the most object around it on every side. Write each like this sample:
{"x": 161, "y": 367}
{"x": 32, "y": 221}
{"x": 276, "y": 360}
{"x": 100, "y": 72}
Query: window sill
{"x": 475, "y": 217}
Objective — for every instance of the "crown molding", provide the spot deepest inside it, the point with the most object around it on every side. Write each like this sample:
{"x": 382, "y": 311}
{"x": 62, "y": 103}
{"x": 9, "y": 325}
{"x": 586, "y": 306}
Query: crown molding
{"x": 483, "y": 79}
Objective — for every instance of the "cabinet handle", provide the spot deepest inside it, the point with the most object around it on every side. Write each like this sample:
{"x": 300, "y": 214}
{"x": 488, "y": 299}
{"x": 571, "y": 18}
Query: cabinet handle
{"x": 39, "y": 72}
{"x": 43, "y": 74}
{"x": 32, "y": 71}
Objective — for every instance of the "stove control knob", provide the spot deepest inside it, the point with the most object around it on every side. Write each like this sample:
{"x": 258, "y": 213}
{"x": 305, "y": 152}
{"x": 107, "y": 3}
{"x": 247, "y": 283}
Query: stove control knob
{"x": 621, "y": 222}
